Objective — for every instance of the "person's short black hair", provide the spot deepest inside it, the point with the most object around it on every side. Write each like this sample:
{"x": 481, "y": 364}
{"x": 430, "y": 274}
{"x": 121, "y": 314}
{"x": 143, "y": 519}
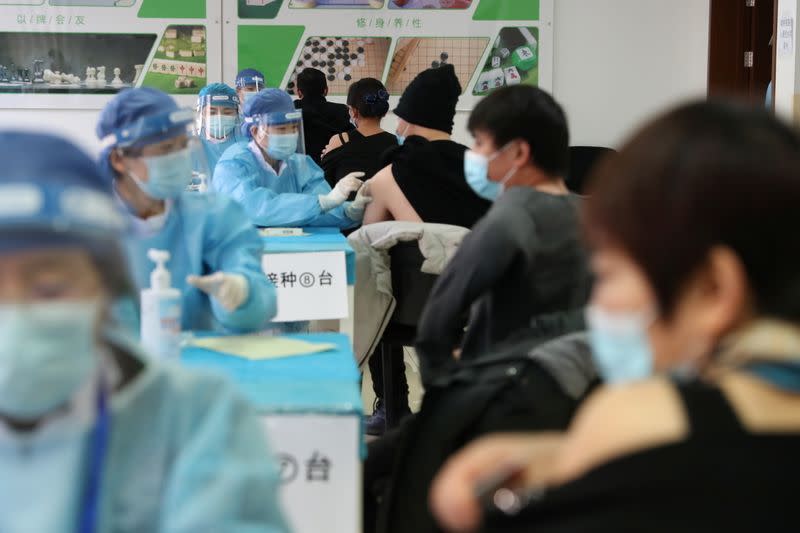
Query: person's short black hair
{"x": 370, "y": 97}
{"x": 528, "y": 113}
{"x": 312, "y": 83}
{"x": 704, "y": 175}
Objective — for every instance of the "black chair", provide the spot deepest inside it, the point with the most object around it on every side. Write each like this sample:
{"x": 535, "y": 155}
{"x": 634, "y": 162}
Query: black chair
{"x": 582, "y": 160}
{"x": 411, "y": 288}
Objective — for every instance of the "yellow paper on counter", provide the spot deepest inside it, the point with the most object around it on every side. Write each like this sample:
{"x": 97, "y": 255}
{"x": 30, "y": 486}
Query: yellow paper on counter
{"x": 258, "y": 348}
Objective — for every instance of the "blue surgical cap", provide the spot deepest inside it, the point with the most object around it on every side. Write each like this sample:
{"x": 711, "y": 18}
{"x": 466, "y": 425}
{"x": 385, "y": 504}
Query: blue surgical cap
{"x": 217, "y": 94}
{"x": 265, "y": 102}
{"x": 125, "y": 110}
{"x": 250, "y": 76}
{"x": 56, "y": 198}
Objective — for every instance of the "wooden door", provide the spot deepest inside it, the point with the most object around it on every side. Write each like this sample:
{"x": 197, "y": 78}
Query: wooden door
{"x": 741, "y": 59}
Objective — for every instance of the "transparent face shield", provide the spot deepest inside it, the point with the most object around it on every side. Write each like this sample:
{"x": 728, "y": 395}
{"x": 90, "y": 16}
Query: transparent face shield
{"x": 166, "y": 157}
{"x": 281, "y": 134}
{"x": 248, "y": 88}
{"x": 218, "y": 122}
{"x": 201, "y": 170}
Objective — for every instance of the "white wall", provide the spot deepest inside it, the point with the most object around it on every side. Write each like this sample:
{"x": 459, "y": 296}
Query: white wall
{"x": 616, "y": 63}
{"x": 619, "y": 61}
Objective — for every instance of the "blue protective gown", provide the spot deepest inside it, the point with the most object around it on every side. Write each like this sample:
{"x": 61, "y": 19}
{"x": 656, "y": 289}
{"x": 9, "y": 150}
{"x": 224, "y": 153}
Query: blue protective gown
{"x": 215, "y": 150}
{"x": 186, "y": 454}
{"x": 290, "y": 199}
{"x": 205, "y": 234}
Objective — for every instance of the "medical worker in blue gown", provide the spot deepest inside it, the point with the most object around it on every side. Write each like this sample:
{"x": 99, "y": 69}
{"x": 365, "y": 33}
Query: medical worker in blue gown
{"x": 217, "y": 121}
{"x": 215, "y": 250}
{"x": 276, "y": 183}
{"x": 95, "y": 437}
{"x": 249, "y": 82}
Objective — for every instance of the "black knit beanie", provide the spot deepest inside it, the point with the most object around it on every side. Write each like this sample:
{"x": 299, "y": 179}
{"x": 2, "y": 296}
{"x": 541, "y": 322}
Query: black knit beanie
{"x": 430, "y": 100}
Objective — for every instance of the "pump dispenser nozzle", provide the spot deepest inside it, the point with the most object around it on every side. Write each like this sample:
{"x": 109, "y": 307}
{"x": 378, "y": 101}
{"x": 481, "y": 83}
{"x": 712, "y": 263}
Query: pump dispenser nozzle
{"x": 160, "y": 278}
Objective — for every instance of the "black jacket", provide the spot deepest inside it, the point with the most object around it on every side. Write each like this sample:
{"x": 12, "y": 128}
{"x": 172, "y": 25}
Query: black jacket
{"x": 529, "y": 385}
{"x": 321, "y": 121}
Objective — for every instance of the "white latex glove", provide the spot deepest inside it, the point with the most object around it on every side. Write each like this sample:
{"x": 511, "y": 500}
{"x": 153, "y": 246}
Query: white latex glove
{"x": 230, "y": 290}
{"x": 355, "y": 211}
{"x": 346, "y": 186}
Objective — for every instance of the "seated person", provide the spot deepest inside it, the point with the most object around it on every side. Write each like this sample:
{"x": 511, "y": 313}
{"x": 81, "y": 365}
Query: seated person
{"x": 321, "y": 119}
{"x": 695, "y": 324}
{"x": 217, "y": 121}
{"x": 249, "y": 82}
{"x": 549, "y": 381}
{"x": 95, "y": 435}
{"x": 363, "y": 148}
{"x": 425, "y": 181}
{"x": 215, "y": 250}
{"x": 276, "y": 183}
{"x": 525, "y": 257}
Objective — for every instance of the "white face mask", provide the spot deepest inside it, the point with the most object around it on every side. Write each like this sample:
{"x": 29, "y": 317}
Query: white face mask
{"x": 47, "y": 351}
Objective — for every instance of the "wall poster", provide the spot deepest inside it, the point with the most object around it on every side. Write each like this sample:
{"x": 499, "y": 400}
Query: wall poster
{"x": 78, "y": 53}
{"x": 491, "y": 43}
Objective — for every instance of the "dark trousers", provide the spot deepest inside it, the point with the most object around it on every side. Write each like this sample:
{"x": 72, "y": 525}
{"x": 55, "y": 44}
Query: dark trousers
{"x": 399, "y": 391}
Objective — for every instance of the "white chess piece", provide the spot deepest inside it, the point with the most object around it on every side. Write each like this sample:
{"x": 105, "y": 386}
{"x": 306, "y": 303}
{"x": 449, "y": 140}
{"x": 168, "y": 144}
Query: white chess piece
{"x": 91, "y": 79}
{"x": 101, "y": 77}
{"x": 117, "y": 81}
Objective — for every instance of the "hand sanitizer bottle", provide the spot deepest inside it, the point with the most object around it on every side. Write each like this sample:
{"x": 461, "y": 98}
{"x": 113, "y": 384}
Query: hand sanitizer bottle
{"x": 161, "y": 311}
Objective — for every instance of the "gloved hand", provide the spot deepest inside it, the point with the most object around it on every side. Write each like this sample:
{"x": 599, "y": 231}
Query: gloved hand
{"x": 230, "y": 290}
{"x": 347, "y": 185}
{"x": 355, "y": 211}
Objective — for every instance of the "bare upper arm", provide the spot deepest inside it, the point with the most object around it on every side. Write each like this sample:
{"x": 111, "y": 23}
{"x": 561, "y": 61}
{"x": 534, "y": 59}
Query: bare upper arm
{"x": 617, "y": 421}
{"x": 334, "y": 143}
{"x": 388, "y": 200}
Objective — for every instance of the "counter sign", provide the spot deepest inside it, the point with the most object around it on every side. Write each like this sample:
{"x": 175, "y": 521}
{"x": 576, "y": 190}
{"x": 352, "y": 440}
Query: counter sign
{"x": 311, "y": 286}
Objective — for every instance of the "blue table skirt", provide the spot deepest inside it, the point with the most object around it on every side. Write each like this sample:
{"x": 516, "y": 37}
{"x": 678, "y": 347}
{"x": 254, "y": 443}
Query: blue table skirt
{"x": 327, "y": 383}
{"x": 319, "y": 240}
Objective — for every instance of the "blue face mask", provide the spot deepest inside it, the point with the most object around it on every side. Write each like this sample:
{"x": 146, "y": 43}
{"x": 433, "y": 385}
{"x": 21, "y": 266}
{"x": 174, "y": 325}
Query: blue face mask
{"x": 282, "y": 146}
{"x": 401, "y": 138}
{"x": 221, "y": 127}
{"x": 248, "y": 95}
{"x": 476, "y": 170}
{"x": 620, "y": 345}
{"x": 167, "y": 175}
{"x": 47, "y": 351}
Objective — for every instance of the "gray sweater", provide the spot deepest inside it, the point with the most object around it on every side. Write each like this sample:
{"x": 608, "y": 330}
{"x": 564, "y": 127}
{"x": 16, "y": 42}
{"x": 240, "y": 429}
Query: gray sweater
{"x": 524, "y": 259}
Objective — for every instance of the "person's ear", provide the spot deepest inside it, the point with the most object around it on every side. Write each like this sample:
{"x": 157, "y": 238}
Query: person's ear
{"x": 299, "y": 94}
{"x": 719, "y": 293}
{"x": 325, "y": 92}
{"x": 254, "y": 132}
{"x": 117, "y": 162}
{"x": 521, "y": 152}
